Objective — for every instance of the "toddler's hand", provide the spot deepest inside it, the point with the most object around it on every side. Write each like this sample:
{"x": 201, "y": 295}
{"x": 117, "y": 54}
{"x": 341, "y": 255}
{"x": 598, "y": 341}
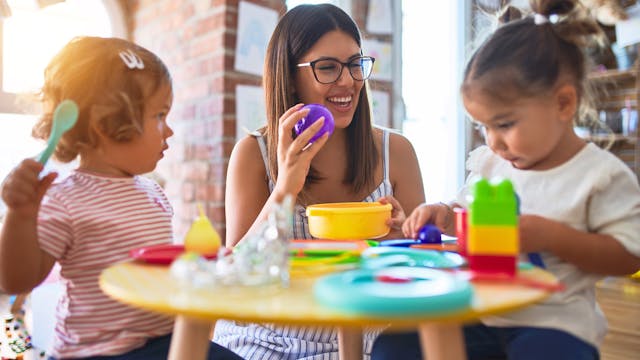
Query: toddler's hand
{"x": 533, "y": 231}
{"x": 397, "y": 213}
{"x": 22, "y": 190}
{"x": 438, "y": 214}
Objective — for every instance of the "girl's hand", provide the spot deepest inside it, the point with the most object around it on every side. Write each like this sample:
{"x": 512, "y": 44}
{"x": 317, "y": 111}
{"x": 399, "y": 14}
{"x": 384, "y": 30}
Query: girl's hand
{"x": 397, "y": 213}
{"x": 438, "y": 214}
{"x": 22, "y": 191}
{"x": 534, "y": 231}
{"x": 295, "y": 155}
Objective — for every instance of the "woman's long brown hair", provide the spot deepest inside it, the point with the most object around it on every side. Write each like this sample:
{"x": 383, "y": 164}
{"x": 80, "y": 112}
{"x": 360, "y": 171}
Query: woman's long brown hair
{"x": 298, "y": 30}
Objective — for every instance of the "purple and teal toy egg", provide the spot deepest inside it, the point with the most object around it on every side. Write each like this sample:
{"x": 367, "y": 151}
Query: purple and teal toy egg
{"x": 315, "y": 112}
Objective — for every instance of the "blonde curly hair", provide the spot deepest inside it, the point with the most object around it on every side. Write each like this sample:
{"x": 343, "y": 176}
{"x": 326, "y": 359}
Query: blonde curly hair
{"x": 110, "y": 95}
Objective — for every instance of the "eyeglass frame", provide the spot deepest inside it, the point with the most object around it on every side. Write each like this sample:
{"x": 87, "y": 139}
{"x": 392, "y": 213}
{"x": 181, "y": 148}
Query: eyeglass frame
{"x": 312, "y": 65}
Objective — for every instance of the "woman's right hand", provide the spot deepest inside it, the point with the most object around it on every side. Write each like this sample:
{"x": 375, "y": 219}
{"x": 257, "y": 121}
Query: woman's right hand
{"x": 295, "y": 155}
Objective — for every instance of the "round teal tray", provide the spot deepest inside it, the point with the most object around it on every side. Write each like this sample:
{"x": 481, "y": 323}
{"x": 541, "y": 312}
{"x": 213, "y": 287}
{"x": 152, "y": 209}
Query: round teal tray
{"x": 406, "y": 290}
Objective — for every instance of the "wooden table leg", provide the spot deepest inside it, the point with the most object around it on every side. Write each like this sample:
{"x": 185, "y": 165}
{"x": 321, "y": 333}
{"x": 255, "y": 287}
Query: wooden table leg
{"x": 349, "y": 343}
{"x": 190, "y": 339}
{"x": 442, "y": 341}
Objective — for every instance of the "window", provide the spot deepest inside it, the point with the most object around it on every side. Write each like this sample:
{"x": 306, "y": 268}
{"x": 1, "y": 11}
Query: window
{"x": 434, "y": 34}
{"x": 30, "y": 38}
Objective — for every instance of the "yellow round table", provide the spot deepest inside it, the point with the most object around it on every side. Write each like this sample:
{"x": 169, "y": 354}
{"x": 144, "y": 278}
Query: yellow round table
{"x": 152, "y": 288}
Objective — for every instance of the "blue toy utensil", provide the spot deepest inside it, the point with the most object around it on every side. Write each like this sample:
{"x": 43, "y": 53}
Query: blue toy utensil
{"x": 64, "y": 117}
{"x": 428, "y": 234}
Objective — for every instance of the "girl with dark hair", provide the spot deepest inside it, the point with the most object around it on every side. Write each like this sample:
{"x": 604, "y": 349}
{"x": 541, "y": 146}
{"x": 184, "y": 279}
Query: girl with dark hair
{"x": 580, "y": 204}
{"x": 314, "y": 56}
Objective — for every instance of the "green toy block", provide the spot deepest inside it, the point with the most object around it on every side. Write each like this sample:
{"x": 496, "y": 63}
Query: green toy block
{"x": 494, "y": 203}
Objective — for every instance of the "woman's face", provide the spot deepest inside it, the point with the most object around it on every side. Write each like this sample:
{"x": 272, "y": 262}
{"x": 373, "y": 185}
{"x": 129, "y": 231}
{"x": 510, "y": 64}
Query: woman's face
{"x": 340, "y": 97}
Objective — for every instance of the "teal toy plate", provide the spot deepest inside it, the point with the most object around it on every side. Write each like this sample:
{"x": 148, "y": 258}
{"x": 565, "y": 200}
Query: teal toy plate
{"x": 397, "y": 290}
{"x": 384, "y": 256}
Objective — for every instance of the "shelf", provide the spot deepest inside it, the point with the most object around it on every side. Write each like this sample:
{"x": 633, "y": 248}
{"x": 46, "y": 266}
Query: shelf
{"x": 613, "y": 75}
{"x": 601, "y": 138}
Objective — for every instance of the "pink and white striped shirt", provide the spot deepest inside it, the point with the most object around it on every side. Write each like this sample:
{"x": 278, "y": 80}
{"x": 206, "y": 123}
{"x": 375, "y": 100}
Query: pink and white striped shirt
{"x": 89, "y": 222}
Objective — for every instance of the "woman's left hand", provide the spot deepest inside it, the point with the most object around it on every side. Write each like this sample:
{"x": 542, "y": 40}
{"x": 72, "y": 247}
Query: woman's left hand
{"x": 397, "y": 213}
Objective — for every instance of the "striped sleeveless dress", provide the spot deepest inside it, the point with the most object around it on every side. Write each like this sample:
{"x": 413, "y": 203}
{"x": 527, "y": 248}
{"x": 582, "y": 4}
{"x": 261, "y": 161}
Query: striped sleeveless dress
{"x": 269, "y": 341}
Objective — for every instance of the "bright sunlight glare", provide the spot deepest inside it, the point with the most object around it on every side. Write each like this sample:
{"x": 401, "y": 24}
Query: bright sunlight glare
{"x": 32, "y": 36}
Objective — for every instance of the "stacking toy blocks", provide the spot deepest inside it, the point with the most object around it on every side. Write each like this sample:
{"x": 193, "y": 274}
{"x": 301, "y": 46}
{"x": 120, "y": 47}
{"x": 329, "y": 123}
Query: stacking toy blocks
{"x": 492, "y": 233}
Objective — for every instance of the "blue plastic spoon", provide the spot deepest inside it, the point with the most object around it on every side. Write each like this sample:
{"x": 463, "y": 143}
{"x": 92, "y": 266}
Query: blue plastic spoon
{"x": 64, "y": 117}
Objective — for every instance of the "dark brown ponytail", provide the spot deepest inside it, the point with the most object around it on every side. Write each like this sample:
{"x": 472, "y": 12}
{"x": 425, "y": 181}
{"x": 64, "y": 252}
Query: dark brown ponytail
{"x": 527, "y": 56}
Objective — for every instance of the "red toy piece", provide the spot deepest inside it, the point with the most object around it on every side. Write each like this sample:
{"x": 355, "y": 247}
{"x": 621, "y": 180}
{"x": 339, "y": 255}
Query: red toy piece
{"x": 461, "y": 230}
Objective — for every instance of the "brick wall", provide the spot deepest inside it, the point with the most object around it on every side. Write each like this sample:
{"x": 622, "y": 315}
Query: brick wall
{"x": 197, "y": 39}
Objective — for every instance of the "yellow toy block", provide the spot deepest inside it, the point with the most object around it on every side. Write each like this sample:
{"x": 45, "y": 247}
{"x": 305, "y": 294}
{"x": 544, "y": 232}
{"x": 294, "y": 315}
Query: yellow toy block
{"x": 492, "y": 240}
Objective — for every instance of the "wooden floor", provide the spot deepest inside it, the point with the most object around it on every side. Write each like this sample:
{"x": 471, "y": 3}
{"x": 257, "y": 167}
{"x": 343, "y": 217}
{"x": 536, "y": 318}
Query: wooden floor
{"x": 619, "y": 298}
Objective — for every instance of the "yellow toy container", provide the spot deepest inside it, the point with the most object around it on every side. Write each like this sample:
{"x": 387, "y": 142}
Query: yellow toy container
{"x": 349, "y": 220}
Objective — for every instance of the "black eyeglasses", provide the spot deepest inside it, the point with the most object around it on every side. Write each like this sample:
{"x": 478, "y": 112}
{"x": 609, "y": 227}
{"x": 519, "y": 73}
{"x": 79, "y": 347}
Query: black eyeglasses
{"x": 327, "y": 71}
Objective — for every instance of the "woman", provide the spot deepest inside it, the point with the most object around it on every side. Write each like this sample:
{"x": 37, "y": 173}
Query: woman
{"x": 314, "y": 56}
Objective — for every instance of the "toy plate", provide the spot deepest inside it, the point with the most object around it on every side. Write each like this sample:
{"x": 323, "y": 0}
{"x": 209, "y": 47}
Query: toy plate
{"x": 438, "y": 247}
{"x": 400, "y": 242}
{"x": 449, "y": 243}
{"x": 385, "y": 256}
{"x": 397, "y": 290}
{"x": 316, "y": 257}
{"x": 160, "y": 254}
{"x": 301, "y": 248}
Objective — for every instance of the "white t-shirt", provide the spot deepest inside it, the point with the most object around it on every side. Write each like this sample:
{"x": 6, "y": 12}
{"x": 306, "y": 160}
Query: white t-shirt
{"x": 594, "y": 191}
